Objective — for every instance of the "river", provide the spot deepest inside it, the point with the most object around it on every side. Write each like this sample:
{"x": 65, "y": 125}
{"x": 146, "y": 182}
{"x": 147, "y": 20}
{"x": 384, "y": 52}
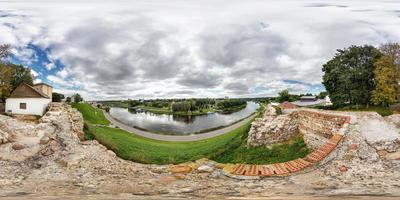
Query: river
{"x": 179, "y": 125}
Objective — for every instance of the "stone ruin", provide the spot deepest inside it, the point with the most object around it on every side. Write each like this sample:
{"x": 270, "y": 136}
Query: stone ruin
{"x": 314, "y": 126}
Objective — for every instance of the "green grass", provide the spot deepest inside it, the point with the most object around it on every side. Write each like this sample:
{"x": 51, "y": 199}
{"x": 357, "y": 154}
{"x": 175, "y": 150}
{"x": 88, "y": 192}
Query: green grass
{"x": 90, "y": 114}
{"x": 144, "y": 150}
{"x": 383, "y": 111}
{"x": 282, "y": 152}
{"x": 229, "y": 147}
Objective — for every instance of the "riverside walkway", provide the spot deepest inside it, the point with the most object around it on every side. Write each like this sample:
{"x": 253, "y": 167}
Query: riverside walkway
{"x": 177, "y": 138}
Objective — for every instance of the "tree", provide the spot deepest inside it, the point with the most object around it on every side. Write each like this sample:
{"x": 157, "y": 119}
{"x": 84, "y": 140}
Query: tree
{"x": 77, "y": 98}
{"x": 349, "y": 76}
{"x": 284, "y": 96}
{"x": 322, "y": 95}
{"x": 387, "y": 75}
{"x": 20, "y": 74}
{"x": 57, "y": 97}
{"x": 68, "y": 100}
{"x": 5, "y": 51}
{"x": 5, "y": 73}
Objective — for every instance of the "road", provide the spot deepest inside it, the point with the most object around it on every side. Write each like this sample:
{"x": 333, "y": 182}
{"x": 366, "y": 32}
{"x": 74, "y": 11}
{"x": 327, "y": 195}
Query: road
{"x": 177, "y": 138}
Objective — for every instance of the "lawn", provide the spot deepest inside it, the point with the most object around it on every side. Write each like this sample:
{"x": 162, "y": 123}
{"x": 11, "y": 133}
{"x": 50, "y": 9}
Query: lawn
{"x": 90, "y": 114}
{"x": 229, "y": 147}
{"x": 144, "y": 150}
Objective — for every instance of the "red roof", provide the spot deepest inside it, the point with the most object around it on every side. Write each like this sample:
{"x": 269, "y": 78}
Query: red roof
{"x": 287, "y": 105}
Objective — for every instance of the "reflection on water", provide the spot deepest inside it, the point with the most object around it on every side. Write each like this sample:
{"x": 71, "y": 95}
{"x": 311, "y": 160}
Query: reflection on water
{"x": 179, "y": 124}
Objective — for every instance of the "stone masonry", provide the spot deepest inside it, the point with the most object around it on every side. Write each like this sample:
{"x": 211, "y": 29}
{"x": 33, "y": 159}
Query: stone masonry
{"x": 316, "y": 127}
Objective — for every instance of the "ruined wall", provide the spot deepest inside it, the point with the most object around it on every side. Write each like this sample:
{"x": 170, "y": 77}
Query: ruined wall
{"x": 316, "y": 127}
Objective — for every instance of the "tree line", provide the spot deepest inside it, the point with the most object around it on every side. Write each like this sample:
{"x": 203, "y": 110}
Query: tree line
{"x": 230, "y": 103}
{"x": 364, "y": 75}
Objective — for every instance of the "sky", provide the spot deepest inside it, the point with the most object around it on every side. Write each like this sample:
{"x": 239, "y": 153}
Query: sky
{"x": 123, "y": 49}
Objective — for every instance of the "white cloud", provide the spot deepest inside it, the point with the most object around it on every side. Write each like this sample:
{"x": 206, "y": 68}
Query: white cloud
{"x": 50, "y": 66}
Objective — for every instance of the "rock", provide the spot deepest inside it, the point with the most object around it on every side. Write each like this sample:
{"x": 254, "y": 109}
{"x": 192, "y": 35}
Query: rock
{"x": 343, "y": 168}
{"x": 219, "y": 165}
{"x": 205, "y": 168}
{"x": 180, "y": 169}
{"x": 166, "y": 179}
{"x": 17, "y": 146}
{"x": 392, "y": 156}
{"x": 353, "y": 146}
{"x": 4, "y": 137}
{"x": 47, "y": 152}
{"x": 54, "y": 146}
{"x": 180, "y": 176}
{"x": 44, "y": 140}
{"x": 382, "y": 153}
{"x": 111, "y": 153}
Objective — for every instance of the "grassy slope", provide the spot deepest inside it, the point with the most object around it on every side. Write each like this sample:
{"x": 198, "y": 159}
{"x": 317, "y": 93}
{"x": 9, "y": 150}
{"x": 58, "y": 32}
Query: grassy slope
{"x": 229, "y": 147}
{"x": 90, "y": 114}
{"x": 144, "y": 150}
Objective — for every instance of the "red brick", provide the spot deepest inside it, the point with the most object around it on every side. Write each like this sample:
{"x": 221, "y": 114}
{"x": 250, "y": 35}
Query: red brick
{"x": 303, "y": 163}
{"x": 312, "y": 158}
{"x": 240, "y": 169}
{"x": 252, "y": 170}
{"x": 280, "y": 170}
{"x": 292, "y": 167}
{"x": 320, "y": 152}
{"x": 266, "y": 170}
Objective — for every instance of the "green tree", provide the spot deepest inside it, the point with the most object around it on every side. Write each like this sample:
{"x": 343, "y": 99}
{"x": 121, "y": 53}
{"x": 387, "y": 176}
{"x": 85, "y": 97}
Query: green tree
{"x": 57, "y": 97}
{"x": 68, "y": 100}
{"x": 5, "y": 72}
{"x": 349, "y": 76}
{"x": 322, "y": 95}
{"x": 77, "y": 98}
{"x": 387, "y": 75}
{"x": 20, "y": 74}
{"x": 284, "y": 96}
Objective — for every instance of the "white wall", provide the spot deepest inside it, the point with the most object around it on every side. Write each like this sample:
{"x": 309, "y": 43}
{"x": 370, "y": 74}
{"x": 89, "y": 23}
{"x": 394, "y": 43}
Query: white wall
{"x": 34, "y": 106}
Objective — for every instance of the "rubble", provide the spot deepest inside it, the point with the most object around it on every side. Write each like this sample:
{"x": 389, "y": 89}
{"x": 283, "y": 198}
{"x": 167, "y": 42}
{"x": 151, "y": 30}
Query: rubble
{"x": 65, "y": 165}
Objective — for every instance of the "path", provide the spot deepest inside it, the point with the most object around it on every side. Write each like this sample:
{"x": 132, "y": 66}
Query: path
{"x": 177, "y": 138}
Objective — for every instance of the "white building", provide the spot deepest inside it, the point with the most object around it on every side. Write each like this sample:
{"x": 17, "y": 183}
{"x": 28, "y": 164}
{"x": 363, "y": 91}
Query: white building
{"x": 29, "y": 100}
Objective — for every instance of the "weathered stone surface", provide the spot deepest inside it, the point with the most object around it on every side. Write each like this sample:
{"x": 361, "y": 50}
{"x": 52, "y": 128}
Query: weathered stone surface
{"x": 4, "y": 137}
{"x": 343, "y": 168}
{"x": 205, "y": 168}
{"x": 44, "y": 140}
{"x": 315, "y": 127}
{"x": 86, "y": 168}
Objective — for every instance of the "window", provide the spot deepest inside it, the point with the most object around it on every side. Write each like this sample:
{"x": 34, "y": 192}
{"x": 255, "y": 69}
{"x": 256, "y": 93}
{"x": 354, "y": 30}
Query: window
{"x": 22, "y": 106}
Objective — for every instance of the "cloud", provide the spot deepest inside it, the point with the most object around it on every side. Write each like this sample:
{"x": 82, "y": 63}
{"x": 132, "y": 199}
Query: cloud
{"x": 322, "y": 5}
{"x": 179, "y": 49}
{"x": 50, "y": 66}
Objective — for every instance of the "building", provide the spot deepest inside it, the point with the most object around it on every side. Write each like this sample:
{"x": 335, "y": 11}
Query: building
{"x": 29, "y": 100}
{"x": 311, "y": 101}
{"x": 308, "y": 99}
